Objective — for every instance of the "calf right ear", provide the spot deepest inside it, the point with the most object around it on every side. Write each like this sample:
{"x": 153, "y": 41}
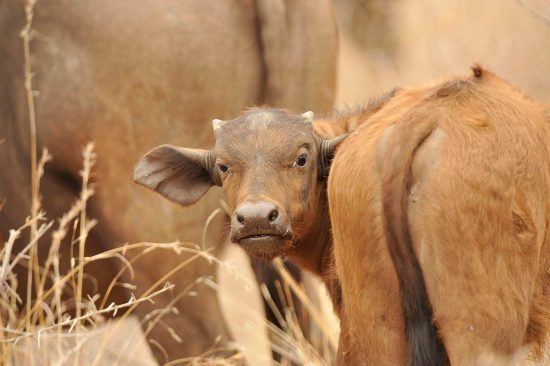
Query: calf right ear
{"x": 179, "y": 174}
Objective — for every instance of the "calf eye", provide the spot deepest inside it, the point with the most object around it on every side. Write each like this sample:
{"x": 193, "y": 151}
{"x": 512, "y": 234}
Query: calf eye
{"x": 301, "y": 160}
{"x": 223, "y": 168}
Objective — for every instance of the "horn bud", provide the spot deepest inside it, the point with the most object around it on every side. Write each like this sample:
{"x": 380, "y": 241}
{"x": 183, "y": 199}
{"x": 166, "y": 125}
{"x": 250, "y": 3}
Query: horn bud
{"x": 308, "y": 115}
{"x": 216, "y": 124}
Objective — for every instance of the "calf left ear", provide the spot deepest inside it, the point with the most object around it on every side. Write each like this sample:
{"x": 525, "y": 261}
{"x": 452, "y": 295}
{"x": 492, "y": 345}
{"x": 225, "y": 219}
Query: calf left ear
{"x": 327, "y": 148}
{"x": 179, "y": 174}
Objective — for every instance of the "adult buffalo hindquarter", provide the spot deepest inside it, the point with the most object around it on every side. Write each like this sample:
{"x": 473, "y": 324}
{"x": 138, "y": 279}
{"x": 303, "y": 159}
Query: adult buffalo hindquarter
{"x": 444, "y": 191}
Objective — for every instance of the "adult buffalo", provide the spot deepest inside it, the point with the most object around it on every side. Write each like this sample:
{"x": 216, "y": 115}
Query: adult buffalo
{"x": 434, "y": 243}
{"x": 129, "y": 76}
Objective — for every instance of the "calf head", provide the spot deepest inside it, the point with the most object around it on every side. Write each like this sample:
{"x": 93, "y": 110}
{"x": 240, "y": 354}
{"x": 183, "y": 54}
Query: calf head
{"x": 272, "y": 167}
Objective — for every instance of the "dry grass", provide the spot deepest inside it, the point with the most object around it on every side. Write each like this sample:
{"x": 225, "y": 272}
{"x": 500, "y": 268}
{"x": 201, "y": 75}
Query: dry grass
{"x": 45, "y": 332}
{"x": 45, "y": 313}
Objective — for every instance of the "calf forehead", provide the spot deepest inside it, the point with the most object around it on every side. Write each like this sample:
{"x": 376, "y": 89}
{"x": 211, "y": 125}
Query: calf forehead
{"x": 263, "y": 130}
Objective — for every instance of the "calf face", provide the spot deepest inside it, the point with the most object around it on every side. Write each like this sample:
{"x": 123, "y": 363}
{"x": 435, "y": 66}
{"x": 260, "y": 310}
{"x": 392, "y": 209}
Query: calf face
{"x": 271, "y": 165}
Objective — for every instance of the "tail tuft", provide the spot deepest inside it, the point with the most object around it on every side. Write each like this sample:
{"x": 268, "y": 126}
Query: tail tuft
{"x": 477, "y": 70}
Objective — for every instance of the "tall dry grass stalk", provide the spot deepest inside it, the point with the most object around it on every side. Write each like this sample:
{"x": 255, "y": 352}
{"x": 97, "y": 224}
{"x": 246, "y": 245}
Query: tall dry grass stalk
{"x": 35, "y": 199}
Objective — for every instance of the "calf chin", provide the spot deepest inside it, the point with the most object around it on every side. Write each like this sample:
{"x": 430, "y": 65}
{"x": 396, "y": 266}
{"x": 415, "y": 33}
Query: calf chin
{"x": 266, "y": 247}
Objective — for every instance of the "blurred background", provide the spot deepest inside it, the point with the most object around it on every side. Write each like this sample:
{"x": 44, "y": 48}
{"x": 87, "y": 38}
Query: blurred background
{"x": 404, "y": 43}
{"x": 128, "y": 76}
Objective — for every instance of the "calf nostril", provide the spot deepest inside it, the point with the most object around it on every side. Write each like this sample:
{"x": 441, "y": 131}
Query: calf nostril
{"x": 240, "y": 219}
{"x": 273, "y": 214}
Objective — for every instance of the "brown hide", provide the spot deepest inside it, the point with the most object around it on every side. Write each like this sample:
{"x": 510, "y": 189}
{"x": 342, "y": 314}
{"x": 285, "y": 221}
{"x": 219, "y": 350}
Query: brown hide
{"x": 477, "y": 208}
{"x": 130, "y": 76}
{"x": 294, "y": 46}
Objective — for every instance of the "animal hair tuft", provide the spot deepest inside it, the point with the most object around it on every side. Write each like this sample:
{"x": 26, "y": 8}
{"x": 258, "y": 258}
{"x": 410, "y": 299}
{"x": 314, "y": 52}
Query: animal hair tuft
{"x": 477, "y": 70}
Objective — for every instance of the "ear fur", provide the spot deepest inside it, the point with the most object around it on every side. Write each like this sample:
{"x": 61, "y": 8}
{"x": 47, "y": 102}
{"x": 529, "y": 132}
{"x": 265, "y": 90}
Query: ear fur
{"x": 327, "y": 148}
{"x": 181, "y": 175}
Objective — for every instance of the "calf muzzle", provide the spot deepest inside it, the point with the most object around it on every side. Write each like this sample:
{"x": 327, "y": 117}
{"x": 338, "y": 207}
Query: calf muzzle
{"x": 259, "y": 224}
